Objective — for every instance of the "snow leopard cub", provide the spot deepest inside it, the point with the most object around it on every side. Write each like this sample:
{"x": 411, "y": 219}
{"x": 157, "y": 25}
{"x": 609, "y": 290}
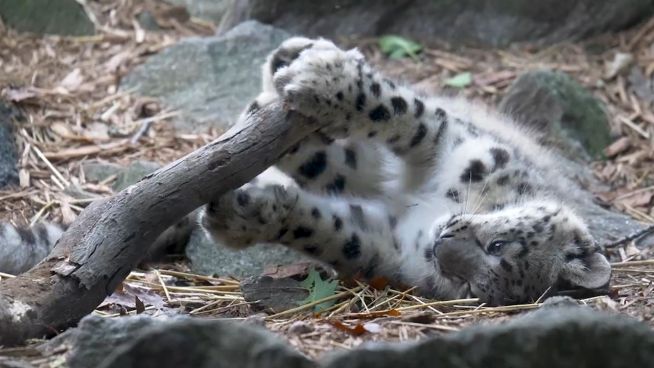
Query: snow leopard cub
{"x": 423, "y": 191}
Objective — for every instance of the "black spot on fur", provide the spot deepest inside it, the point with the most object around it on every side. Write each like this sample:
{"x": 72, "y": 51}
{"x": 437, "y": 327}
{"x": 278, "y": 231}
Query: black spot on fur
{"x": 315, "y": 213}
{"x": 453, "y": 194}
{"x": 475, "y": 172}
{"x": 337, "y": 186}
{"x": 314, "y": 166}
{"x": 439, "y": 133}
{"x": 506, "y": 265}
{"x": 352, "y": 248}
{"x": 351, "y": 158}
{"x": 281, "y": 233}
{"x": 41, "y": 231}
{"x": 392, "y": 221}
{"x": 254, "y": 106}
{"x": 379, "y": 113}
{"x": 339, "y": 96}
{"x": 375, "y": 89}
{"x": 338, "y": 223}
{"x": 399, "y": 105}
{"x": 503, "y": 180}
{"x": 371, "y": 267}
{"x": 26, "y": 235}
{"x": 389, "y": 83}
{"x": 242, "y": 199}
{"x": 419, "y": 106}
{"x": 372, "y": 134}
{"x": 393, "y": 139}
{"x": 500, "y": 157}
{"x": 429, "y": 254}
{"x": 294, "y": 149}
{"x": 524, "y": 188}
{"x": 421, "y": 132}
{"x": 284, "y": 57}
{"x": 301, "y": 232}
{"x": 361, "y": 102}
{"x": 441, "y": 115}
{"x": 312, "y": 249}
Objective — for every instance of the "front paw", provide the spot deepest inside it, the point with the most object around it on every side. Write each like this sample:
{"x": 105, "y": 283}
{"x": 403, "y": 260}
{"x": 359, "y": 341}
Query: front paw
{"x": 323, "y": 83}
{"x": 247, "y": 216}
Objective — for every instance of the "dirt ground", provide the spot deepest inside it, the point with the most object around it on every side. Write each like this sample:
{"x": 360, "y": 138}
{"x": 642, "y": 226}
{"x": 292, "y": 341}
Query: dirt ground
{"x": 67, "y": 88}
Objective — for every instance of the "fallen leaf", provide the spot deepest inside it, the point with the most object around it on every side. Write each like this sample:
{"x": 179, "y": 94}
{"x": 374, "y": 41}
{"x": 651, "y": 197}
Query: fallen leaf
{"x": 379, "y": 282}
{"x": 460, "y": 80}
{"x": 397, "y": 47}
{"x": 284, "y": 271}
{"x": 319, "y": 289}
{"x": 357, "y": 330}
{"x": 638, "y": 200}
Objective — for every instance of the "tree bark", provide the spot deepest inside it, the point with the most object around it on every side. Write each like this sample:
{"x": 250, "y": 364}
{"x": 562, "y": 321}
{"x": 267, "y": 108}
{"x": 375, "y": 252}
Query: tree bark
{"x": 108, "y": 239}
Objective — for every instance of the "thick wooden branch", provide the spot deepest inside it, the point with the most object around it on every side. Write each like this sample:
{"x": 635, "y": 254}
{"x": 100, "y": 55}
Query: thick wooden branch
{"x": 100, "y": 249}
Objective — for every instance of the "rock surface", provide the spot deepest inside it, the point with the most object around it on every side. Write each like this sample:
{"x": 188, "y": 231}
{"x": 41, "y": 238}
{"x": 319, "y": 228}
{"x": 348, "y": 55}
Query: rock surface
{"x": 61, "y": 17}
{"x": 179, "y": 342}
{"x": 558, "y": 336}
{"x": 209, "y": 79}
{"x": 570, "y": 117}
{"x": 273, "y": 295}
{"x": 208, "y": 258}
{"x": 133, "y": 173}
{"x": 490, "y": 22}
{"x": 212, "y": 10}
{"x": 8, "y": 155}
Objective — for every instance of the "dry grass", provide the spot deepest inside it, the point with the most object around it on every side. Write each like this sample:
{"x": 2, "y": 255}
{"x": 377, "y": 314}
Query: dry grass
{"x": 67, "y": 88}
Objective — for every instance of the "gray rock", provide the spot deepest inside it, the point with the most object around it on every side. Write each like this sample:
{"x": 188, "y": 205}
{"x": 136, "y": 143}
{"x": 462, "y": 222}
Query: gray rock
{"x": 490, "y": 22}
{"x": 147, "y": 21}
{"x": 556, "y": 336}
{"x": 273, "y": 295}
{"x": 96, "y": 337}
{"x": 8, "y": 155}
{"x": 208, "y": 258}
{"x": 96, "y": 171}
{"x": 133, "y": 173}
{"x": 570, "y": 118}
{"x": 555, "y": 104}
{"x": 188, "y": 342}
{"x": 210, "y": 80}
{"x": 62, "y": 17}
{"x": 212, "y": 10}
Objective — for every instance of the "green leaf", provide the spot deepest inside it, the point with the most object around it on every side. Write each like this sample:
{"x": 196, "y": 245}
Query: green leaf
{"x": 397, "y": 47}
{"x": 319, "y": 289}
{"x": 460, "y": 80}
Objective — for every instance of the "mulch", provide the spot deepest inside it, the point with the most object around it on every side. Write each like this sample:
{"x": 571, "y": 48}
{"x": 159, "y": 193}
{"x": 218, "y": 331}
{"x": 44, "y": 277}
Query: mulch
{"x": 67, "y": 90}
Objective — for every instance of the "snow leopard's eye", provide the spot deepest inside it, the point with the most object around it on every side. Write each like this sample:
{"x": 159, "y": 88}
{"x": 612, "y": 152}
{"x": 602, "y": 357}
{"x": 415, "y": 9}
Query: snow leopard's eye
{"x": 495, "y": 247}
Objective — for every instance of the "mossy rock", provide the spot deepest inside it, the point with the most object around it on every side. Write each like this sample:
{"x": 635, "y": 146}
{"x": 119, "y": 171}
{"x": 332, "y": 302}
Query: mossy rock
{"x": 567, "y": 114}
{"x": 61, "y": 17}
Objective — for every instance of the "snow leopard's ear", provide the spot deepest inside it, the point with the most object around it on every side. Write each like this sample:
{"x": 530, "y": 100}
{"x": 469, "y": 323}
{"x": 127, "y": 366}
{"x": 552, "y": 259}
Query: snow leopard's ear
{"x": 589, "y": 270}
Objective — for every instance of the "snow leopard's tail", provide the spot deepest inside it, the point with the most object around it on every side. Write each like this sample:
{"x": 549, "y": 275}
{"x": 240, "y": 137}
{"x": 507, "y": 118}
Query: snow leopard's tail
{"x": 23, "y": 247}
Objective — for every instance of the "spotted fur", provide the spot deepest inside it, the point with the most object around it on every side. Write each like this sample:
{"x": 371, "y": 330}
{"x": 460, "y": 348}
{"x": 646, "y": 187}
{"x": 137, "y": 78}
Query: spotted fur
{"x": 426, "y": 191}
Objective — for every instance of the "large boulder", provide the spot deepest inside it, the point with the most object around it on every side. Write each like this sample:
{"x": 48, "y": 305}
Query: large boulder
{"x": 210, "y": 80}
{"x": 565, "y": 336}
{"x": 61, "y": 17}
{"x": 488, "y": 22}
{"x": 564, "y": 112}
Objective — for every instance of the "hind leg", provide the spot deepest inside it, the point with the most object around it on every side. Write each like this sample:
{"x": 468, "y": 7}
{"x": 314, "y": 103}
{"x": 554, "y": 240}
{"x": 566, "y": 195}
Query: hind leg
{"x": 355, "y": 237}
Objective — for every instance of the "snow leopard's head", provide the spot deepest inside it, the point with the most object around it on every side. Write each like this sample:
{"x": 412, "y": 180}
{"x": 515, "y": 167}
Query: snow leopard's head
{"x": 520, "y": 253}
